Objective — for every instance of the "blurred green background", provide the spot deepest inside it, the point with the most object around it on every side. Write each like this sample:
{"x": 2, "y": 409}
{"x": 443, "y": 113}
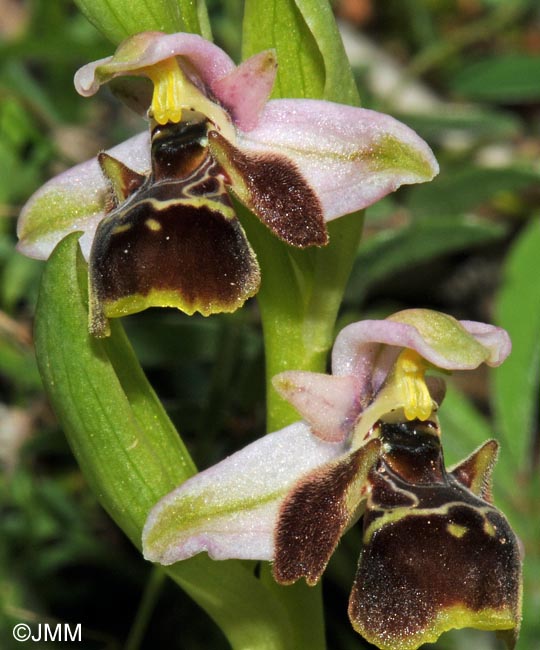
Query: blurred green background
{"x": 466, "y": 75}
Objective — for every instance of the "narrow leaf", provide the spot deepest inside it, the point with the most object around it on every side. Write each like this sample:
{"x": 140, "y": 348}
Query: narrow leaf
{"x": 119, "y": 457}
{"x": 278, "y": 24}
{"x": 477, "y": 122}
{"x": 311, "y": 57}
{"x": 501, "y": 78}
{"x": 462, "y": 190}
{"x": 392, "y": 251}
{"x": 518, "y": 310}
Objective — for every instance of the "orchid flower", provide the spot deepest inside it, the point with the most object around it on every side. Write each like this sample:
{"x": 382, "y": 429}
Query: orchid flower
{"x": 159, "y": 227}
{"x": 436, "y": 553}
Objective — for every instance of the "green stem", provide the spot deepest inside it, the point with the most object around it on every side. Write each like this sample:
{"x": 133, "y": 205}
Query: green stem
{"x": 299, "y": 299}
{"x": 146, "y": 608}
{"x": 222, "y": 375}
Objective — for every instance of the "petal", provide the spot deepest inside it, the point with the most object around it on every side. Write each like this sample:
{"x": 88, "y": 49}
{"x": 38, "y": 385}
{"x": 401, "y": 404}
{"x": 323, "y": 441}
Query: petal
{"x": 230, "y": 510}
{"x": 351, "y": 157}
{"x": 73, "y": 201}
{"x": 245, "y": 90}
{"x": 329, "y": 404}
{"x": 475, "y": 472}
{"x": 317, "y": 511}
{"x": 85, "y": 81}
{"x": 122, "y": 180}
{"x": 273, "y": 189}
{"x": 148, "y": 48}
{"x": 438, "y": 338}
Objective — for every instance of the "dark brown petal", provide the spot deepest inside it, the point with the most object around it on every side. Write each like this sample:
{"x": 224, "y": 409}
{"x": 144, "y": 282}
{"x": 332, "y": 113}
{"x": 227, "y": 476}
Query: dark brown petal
{"x": 273, "y": 189}
{"x": 475, "y": 472}
{"x": 123, "y": 181}
{"x": 188, "y": 254}
{"x": 315, "y": 514}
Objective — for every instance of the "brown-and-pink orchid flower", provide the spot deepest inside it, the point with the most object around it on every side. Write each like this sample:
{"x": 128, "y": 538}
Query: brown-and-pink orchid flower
{"x": 159, "y": 226}
{"x": 436, "y": 554}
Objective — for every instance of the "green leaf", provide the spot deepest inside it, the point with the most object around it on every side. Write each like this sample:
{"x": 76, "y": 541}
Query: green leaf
{"x": 339, "y": 83}
{"x": 17, "y": 132}
{"x": 312, "y": 60}
{"x": 278, "y": 24}
{"x": 516, "y": 382}
{"x": 20, "y": 276}
{"x": 119, "y": 19}
{"x": 504, "y": 78}
{"x": 128, "y": 449}
{"x": 462, "y": 190}
{"x": 391, "y": 251}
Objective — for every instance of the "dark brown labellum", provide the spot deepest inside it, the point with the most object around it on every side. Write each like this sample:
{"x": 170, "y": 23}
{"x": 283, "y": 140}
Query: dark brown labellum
{"x": 435, "y": 555}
